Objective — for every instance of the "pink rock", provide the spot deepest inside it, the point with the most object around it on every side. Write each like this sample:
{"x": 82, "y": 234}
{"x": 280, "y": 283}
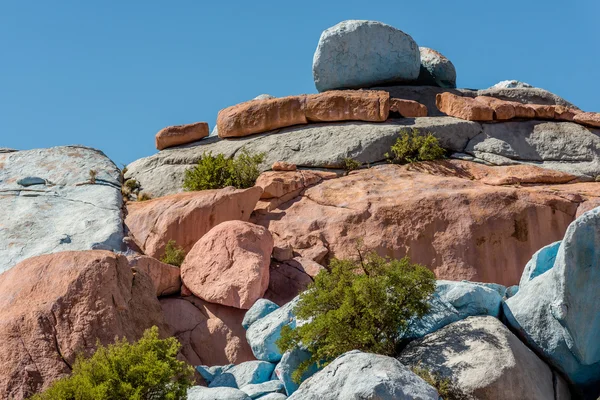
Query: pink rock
{"x": 283, "y": 166}
{"x": 165, "y": 277}
{"x": 55, "y": 306}
{"x": 186, "y": 217}
{"x": 230, "y": 264}
{"x": 277, "y": 184}
{"x": 181, "y": 134}
{"x": 408, "y": 108}
{"x": 290, "y": 278}
{"x": 210, "y": 334}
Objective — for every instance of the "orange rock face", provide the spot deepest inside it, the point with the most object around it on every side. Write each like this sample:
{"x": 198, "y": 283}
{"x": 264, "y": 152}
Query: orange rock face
{"x": 186, "y": 217}
{"x": 256, "y": 116}
{"x": 348, "y": 105}
{"x": 278, "y": 184}
{"x": 463, "y": 107}
{"x": 562, "y": 113}
{"x": 54, "y": 306}
{"x": 230, "y": 264}
{"x": 450, "y": 216}
{"x": 408, "y": 108}
{"x": 588, "y": 118}
{"x": 210, "y": 334}
{"x": 181, "y": 134}
{"x": 504, "y": 110}
{"x": 165, "y": 277}
{"x": 283, "y": 166}
{"x": 543, "y": 111}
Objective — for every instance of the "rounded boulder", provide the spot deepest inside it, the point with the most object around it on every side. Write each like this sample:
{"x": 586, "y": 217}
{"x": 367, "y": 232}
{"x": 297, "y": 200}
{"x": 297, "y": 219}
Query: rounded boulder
{"x": 230, "y": 264}
{"x": 436, "y": 70}
{"x": 360, "y": 54}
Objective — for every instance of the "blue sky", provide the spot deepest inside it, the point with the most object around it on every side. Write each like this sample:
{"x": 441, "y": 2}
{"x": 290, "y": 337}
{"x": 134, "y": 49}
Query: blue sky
{"x": 110, "y": 74}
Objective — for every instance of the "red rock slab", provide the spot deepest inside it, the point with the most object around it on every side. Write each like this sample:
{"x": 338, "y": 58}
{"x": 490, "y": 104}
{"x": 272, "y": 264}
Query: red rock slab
{"x": 588, "y": 118}
{"x": 465, "y": 108}
{"x": 348, "y": 105}
{"x": 283, "y": 166}
{"x": 181, "y": 134}
{"x": 408, "y": 108}
{"x": 165, "y": 277}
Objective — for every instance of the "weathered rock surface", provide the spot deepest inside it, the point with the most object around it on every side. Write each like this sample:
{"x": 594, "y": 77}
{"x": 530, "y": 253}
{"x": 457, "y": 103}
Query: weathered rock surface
{"x": 166, "y": 278}
{"x": 259, "y": 309}
{"x": 246, "y": 373}
{"x": 436, "y": 69}
{"x": 289, "y": 363}
{"x": 556, "y": 313}
{"x": 186, "y": 217}
{"x": 258, "y": 390}
{"x": 279, "y": 183}
{"x": 229, "y": 265}
{"x": 348, "y": 105}
{"x": 464, "y": 107}
{"x": 290, "y": 278}
{"x": 315, "y": 145}
{"x": 408, "y": 108}
{"x": 511, "y": 84}
{"x": 54, "y": 306}
{"x": 358, "y": 54}
{"x": 484, "y": 359}
{"x": 526, "y": 95}
{"x": 357, "y": 375}
{"x": 211, "y": 334}
{"x": 64, "y": 211}
{"x": 588, "y": 118}
{"x": 428, "y": 212}
{"x": 561, "y": 146}
{"x": 181, "y": 134}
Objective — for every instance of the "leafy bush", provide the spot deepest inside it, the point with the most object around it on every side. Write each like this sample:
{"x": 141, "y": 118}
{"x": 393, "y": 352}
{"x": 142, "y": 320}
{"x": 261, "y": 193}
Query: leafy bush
{"x": 413, "y": 146}
{"x": 174, "y": 255}
{"x": 351, "y": 164}
{"x": 364, "y": 305}
{"x": 216, "y": 172}
{"x": 147, "y": 369}
{"x": 447, "y": 389}
{"x": 143, "y": 196}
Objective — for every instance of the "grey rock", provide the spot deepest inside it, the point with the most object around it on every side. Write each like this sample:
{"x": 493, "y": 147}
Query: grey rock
{"x": 6, "y": 150}
{"x": 556, "y": 312}
{"x": 220, "y": 393}
{"x": 436, "y": 69}
{"x": 355, "y": 54}
{"x": 484, "y": 359}
{"x": 357, "y": 375}
{"x": 260, "y": 389}
{"x": 316, "y": 146}
{"x": 563, "y": 146}
{"x": 526, "y": 95}
{"x": 67, "y": 213}
{"x": 30, "y": 181}
{"x": 511, "y": 84}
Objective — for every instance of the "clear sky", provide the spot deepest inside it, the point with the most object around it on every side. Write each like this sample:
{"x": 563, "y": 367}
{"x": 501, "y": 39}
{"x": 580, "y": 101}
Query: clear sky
{"x": 110, "y": 74}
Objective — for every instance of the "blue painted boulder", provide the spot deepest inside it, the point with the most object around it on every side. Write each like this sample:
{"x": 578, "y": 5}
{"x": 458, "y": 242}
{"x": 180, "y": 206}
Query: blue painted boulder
{"x": 362, "y": 54}
{"x": 258, "y": 390}
{"x": 246, "y": 373}
{"x": 557, "y": 312}
{"x": 260, "y": 309}
{"x": 454, "y": 301}
{"x": 290, "y": 361}
{"x": 263, "y": 334}
{"x": 210, "y": 373}
{"x": 221, "y": 393}
{"x": 436, "y": 70}
{"x": 540, "y": 262}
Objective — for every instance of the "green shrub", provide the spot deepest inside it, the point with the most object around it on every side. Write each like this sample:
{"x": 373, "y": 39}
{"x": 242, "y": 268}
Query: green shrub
{"x": 216, "y": 172}
{"x": 174, "y": 255}
{"x": 143, "y": 196}
{"x": 413, "y": 146}
{"x": 132, "y": 185}
{"x": 362, "y": 305}
{"x": 147, "y": 369}
{"x": 447, "y": 389}
{"x": 350, "y": 164}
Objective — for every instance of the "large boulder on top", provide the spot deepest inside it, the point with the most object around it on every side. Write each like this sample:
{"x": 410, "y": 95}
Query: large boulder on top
{"x": 557, "y": 313}
{"x": 186, "y": 217}
{"x": 436, "y": 70}
{"x": 56, "y": 306}
{"x": 230, "y": 264}
{"x": 51, "y": 203}
{"x": 358, "y": 375}
{"x": 484, "y": 360}
{"x": 360, "y": 54}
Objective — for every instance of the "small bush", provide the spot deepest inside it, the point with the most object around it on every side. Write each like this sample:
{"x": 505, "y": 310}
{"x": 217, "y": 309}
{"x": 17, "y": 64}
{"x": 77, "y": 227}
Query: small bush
{"x": 351, "y": 164}
{"x": 143, "y": 196}
{"x": 216, "y": 172}
{"x": 174, "y": 255}
{"x": 147, "y": 369}
{"x": 364, "y": 305}
{"x": 413, "y": 146}
{"x": 132, "y": 185}
{"x": 447, "y": 389}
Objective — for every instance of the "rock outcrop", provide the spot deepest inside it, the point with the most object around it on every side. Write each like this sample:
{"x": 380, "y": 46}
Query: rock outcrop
{"x": 56, "y": 306}
{"x": 229, "y": 265}
{"x": 181, "y": 134}
{"x": 58, "y": 199}
{"x": 436, "y": 70}
{"x": 186, "y": 217}
{"x": 357, "y": 375}
{"x": 437, "y": 213}
{"x": 484, "y": 360}
{"x": 166, "y": 278}
{"x": 556, "y": 312}
{"x": 358, "y": 54}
